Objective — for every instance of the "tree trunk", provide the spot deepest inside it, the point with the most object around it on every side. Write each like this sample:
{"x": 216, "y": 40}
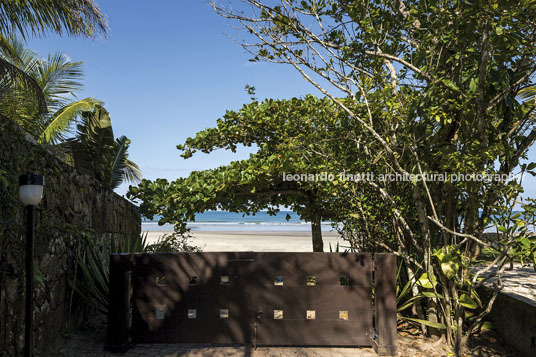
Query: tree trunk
{"x": 427, "y": 251}
{"x": 316, "y": 230}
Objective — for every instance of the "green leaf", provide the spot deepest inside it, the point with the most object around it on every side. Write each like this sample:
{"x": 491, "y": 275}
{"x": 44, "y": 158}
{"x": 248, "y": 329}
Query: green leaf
{"x": 123, "y": 169}
{"x": 525, "y": 242}
{"x": 436, "y": 325}
{"x": 450, "y": 265}
{"x": 63, "y": 118}
{"x": 473, "y": 85}
{"x": 487, "y": 325}
{"x": 449, "y": 83}
{"x": 468, "y": 302}
{"x": 426, "y": 282}
{"x": 431, "y": 295}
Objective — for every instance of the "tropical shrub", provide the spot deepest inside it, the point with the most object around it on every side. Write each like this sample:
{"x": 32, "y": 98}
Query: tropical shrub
{"x": 90, "y": 280}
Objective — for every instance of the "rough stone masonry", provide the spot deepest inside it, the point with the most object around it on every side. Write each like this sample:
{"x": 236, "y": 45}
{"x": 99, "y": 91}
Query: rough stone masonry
{"x": 74, "y": 207}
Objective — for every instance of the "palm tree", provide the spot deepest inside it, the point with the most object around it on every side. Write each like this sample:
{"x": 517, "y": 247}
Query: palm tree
{"x": 37, "y": 18}
{"x": 93, "y": 150}
{"x": 74, "y": 17}
{"x": 58, "y": 79}
{"x": 96, "y": 153}
{"x": 12, "y": 76}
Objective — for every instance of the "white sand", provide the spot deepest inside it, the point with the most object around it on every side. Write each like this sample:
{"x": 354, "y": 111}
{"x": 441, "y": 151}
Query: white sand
{"x": 228, "y": 241}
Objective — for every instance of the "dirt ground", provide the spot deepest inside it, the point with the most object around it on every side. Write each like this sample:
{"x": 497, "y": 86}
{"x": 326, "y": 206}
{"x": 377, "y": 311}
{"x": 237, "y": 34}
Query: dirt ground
{"x": 88, "y": 341}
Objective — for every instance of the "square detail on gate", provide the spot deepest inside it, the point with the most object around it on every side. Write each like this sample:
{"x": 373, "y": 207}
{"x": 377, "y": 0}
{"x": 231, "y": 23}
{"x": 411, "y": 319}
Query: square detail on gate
{"x": 161, "y": 281}
{"x": 278, "y": 314}
{"x": 311, "y": 280}
{"x": 343, "y": 315}
{"x": 278, "y": 280}
{"x": 224, "y": 313}
{"x": 160, "y": 313}
{"x": 192, "y": 313}
{"x": 311, "y": 314}
{"x": 192, "y": 280}
{"x": 224, "y": 279}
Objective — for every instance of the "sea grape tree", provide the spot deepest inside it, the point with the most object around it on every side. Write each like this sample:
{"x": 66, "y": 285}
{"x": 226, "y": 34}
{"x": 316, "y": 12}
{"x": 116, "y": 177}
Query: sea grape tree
{"x": 295, "y": 142}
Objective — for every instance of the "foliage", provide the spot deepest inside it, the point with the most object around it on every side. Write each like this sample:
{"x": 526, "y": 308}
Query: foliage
{"x": 12, "y": 78}
{"x": 59, "y": 122}
{"x": 288, "y": 141}
{"x": 96, "y": 153}
{"x": 73, "y": 17}
{"x": 442, "y": 84}
{"x": 515, "y": 231}
{"x": 93, "y": 264}
{"x": 172, "y": 243}
{"x": 57, "y": 78}
{"x": 94, "y": 150}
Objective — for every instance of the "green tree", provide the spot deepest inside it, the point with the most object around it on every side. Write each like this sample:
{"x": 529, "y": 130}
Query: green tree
{"x": 93, "y": 150}
{"x": 37, "y": 18}
{"x": 58, "y": 79}
{"x": 283, "y": 132}
{"x": 441, "y": 84}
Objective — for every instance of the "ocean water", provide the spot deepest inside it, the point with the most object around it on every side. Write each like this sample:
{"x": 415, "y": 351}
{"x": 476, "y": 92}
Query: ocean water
{"x": 262, "y": 221}
{"x": 230, "y": 221}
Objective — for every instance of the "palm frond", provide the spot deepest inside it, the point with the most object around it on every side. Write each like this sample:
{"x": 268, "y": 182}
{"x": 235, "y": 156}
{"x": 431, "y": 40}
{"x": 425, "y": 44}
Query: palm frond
{"x": 95, "y": 152}
{"x": 123, "y": 169}
{"x": 132, "y": 172}
{"x": 13, "y": 77}
{"x": 59, "y": 78}
{"x": 60, "y": 121}
{"x": 9, "y": 50}
{"x": 93, "y": 147}
{"x": 38, "y": 17}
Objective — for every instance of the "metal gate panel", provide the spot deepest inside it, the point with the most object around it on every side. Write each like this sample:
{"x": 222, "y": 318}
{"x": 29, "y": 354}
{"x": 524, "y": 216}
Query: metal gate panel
{"x": 245, "y": 297}
{"x": 191, "y": 297}
{"x": 312, "y": 298}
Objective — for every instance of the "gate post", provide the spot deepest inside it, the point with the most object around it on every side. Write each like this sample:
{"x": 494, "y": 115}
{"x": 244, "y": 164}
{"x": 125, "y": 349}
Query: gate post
{"x": 117, "y": 339}
{"x": 385, "y": 304}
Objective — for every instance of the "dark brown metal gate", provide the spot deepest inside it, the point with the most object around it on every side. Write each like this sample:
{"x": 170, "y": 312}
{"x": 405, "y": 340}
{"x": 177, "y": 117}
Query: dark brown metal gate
{"x": 313, "y": 298}
{"x": 321, "y": 299}
{"x": 180, "y": 298}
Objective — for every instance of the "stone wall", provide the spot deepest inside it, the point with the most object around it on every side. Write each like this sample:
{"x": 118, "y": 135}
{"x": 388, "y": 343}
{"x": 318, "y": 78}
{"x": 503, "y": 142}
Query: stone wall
{"x": 73, "y": 205}
{"x": 514, "y": 317}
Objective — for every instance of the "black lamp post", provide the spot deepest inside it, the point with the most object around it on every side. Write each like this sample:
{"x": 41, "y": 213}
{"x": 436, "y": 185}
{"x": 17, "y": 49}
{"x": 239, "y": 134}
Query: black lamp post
{"x": 30, "y": 193}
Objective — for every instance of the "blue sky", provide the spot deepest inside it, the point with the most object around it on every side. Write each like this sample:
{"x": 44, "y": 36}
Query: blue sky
{"x": 166, "y": 71}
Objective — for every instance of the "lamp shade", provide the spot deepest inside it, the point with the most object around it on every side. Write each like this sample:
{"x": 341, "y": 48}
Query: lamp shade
{"x": 31, "y": 189}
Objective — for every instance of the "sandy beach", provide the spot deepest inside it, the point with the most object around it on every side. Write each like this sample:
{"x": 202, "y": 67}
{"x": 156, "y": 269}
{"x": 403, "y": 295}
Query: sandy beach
{"x": 258, "y": 241}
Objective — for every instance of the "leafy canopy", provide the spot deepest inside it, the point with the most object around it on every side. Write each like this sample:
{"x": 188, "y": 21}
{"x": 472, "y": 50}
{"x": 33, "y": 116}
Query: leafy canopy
{"x": 286, "y": 134}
